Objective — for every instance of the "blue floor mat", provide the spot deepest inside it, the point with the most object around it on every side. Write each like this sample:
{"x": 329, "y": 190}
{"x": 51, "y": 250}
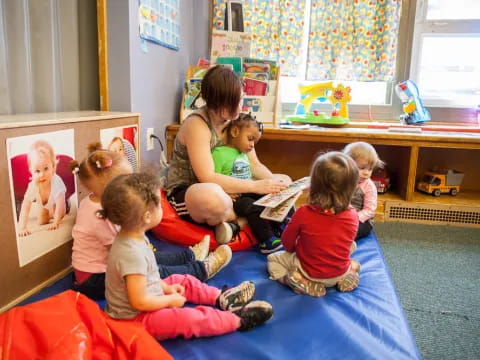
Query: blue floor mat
{"x": 368, "y": 323}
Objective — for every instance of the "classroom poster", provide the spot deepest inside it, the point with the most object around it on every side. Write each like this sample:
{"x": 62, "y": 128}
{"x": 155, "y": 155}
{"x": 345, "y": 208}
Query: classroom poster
{"x": 159, "y": 22}
{"x": 122, "y": 140}
{"x": 44, "y": 191}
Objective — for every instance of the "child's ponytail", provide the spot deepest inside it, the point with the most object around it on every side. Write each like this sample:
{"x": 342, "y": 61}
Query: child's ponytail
{"x": 74, "y": 167}
{"x": 101, "y": 159}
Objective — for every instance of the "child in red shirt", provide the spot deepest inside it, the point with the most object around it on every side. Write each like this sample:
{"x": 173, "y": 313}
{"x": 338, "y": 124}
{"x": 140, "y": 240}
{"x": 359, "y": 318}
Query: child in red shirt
{"x": 320, "y": 237}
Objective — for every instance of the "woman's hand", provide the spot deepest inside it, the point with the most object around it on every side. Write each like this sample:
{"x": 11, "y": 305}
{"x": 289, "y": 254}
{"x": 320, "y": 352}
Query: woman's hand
{"x": 268, "y": 186}
{"x": 283, "y": 178}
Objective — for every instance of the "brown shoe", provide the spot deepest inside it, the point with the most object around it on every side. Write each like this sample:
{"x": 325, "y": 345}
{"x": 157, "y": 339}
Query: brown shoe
{"x": 302, "y": 285}
{"x": 217, "y": 260}
{"x": 349, "y": 282}
{"x": 201, "y": 249}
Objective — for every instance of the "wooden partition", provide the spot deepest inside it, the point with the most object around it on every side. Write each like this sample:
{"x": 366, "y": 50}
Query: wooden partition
{"x": 16, "y": 282}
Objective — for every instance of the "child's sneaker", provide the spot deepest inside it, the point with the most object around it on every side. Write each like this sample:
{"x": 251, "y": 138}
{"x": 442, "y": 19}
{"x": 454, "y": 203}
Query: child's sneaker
{"x": 217, "y": 260}
{"x": 225, "y": 231}
{"x": 301, "y": 285}
{"x": 233, "y": 299}
{"x": 253, "y": 314}
{"x": 201, "y": 249}
{"x": 271, "y": 245}
{"x": 349, "y": 282}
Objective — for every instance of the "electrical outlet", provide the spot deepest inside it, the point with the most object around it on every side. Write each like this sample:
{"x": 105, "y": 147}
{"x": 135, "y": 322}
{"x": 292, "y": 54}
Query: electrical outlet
{"x": 149, "y": 139}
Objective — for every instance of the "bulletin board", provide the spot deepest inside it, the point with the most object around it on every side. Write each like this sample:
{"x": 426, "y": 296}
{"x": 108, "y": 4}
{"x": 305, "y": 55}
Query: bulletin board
{"x": 159, "y": 22}
{"x": 18, "y": 282}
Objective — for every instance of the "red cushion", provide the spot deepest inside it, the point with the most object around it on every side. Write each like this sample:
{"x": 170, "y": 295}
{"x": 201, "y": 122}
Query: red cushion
{"x": 177, "y": 231}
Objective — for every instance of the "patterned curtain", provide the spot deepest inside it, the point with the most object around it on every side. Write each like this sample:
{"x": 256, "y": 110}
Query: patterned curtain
{"x": 276, "y": 27}
{"x": 353, "y": 40}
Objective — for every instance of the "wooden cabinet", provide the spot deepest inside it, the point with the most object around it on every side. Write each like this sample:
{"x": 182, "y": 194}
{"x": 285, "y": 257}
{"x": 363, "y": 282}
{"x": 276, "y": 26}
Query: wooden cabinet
{"x": 407, "y": 155}
{"x": 17, "y": 281}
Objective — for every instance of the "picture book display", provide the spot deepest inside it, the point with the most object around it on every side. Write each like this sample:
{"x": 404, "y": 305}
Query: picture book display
{"x": 277, "y": 205}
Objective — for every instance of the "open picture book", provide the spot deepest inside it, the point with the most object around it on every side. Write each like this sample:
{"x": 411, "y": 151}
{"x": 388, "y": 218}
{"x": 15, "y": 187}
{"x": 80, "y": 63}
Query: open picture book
{"x": 279, "y": 204}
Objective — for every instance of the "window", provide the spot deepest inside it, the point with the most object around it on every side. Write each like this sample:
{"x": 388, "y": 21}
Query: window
{"x": 445, "y": 62}
{"x": 371, "y": 100}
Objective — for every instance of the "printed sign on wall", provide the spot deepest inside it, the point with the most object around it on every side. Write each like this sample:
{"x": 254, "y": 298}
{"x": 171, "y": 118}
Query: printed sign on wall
{"x": 229, "y": 44}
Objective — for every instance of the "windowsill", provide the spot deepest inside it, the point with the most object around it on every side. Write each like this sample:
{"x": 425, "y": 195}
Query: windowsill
{"x": 428, "y": 126}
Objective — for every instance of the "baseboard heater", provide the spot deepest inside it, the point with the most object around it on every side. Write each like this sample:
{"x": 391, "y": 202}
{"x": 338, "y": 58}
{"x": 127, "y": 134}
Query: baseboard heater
{"x": 434, "y": 214}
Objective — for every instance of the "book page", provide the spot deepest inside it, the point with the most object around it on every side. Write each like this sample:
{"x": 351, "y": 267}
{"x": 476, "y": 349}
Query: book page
{"x": 279, "y": 212}
{"x": 272, "y": 200}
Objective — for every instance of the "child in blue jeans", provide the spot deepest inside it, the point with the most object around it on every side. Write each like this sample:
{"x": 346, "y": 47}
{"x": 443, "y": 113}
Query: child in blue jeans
{"x": 93, "y": 237}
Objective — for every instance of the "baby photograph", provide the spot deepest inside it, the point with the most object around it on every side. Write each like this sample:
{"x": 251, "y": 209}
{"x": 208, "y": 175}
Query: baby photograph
{"x": 44, "y": 197}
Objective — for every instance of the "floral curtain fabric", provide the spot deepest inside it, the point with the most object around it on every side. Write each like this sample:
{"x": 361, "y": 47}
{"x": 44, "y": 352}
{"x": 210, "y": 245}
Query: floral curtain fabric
{"x": 353, "y": 40}
{"x": 276, "y": 27}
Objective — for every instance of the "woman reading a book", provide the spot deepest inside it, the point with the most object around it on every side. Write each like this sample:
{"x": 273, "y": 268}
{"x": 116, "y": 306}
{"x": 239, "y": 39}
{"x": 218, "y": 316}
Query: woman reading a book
{"x": 196, "y": 192}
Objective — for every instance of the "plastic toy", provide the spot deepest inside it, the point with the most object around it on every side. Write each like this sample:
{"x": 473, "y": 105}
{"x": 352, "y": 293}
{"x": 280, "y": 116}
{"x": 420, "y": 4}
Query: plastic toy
{"x": 441, "y": 181}
{"x": 381, "y": 179}
{"x": 415, "y": 111}
{"x": 338, "y": 96}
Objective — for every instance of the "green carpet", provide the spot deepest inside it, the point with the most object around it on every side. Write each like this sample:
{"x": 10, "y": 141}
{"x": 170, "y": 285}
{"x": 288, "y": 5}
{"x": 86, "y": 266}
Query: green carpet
{"x": 436, "y": 271}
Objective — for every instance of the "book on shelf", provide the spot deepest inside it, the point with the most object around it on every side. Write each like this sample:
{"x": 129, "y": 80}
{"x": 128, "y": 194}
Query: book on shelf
{"x": 279, "y": 204}
{"x": 254, "y": 87}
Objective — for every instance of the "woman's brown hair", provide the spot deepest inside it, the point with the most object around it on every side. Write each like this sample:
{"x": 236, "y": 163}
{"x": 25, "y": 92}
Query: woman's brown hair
{"x": 333, "y": 179}
{"x": 221, "y": 89}
{"x": 127, "y": 197}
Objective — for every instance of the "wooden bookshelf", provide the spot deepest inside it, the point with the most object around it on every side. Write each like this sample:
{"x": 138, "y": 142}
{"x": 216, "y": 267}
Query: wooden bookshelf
{"x": 407, "y": 155}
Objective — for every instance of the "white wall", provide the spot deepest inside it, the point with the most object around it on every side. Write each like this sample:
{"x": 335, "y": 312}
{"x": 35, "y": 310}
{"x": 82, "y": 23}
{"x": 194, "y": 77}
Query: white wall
{"x": 151, "y": 83}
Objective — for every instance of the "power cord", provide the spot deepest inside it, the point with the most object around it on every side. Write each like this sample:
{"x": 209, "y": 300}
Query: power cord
{"x": 158, "y": 139}
{"x": 163, "y": 158}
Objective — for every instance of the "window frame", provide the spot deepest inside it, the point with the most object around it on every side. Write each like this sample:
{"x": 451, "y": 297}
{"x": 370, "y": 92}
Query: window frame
{"x": 455, "y": 115}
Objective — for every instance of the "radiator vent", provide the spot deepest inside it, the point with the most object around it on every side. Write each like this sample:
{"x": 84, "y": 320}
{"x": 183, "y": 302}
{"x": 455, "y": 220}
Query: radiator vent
{"x": 432, "y": 214}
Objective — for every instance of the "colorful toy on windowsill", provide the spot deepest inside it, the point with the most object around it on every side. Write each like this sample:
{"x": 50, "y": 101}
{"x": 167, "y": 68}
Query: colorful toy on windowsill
{"x": 338, "y": 96}
{"x": 437, "y": 182}
{"x": 415, "y": 111}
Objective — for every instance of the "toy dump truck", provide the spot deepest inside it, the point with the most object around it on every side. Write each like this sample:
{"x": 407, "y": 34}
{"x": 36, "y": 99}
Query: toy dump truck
{"x": 440, "y": 182}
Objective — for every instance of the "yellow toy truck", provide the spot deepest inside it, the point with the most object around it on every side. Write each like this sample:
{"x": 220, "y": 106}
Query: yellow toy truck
{"x": 440, "y": 182}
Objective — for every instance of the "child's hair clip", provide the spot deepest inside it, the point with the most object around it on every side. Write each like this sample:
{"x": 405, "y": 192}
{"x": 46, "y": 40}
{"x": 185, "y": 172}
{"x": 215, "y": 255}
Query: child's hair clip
{"x": 76, "y": 170}
{"x": 108, "y": 163}
{"x": 101, "y": 214}
{"x": 99, "y": 164}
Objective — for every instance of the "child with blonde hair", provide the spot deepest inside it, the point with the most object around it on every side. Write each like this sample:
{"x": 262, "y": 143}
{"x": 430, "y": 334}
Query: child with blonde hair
{"x": 320, "y": 237}
{"x": 364, "y": 199}
{"x": 134, "y": 288}
{"x": 46, "y": 189}
{"x": 93, "y": 237}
